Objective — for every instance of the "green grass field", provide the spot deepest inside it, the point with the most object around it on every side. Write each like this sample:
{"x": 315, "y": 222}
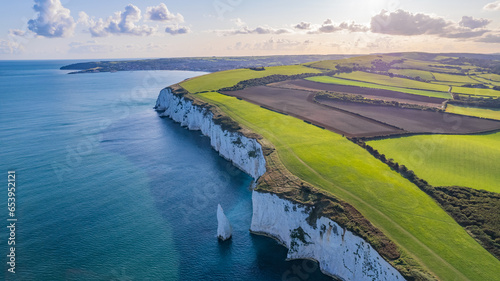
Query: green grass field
{"x": 364, "y": 61}
{"x": 476, "y": 92}
{"x": 427, "y": 75}
{"x": 334, "y": 80}
{"x": 425, "y": 65}
{"x": 410, "y": 62}
{"x": 486, "y": 81}
{"x": 217, "y": 80}
{"x": 474, "y": 111}
{"x": 371, "y": 80}
{"x": 403, "y": 212}
{"x": 395, "y": 81}
{"x": 448, "y": 83}
{"x": 446, "y": 160}
{"x": 453, "y": 78}
{"x": 490, "y": 76}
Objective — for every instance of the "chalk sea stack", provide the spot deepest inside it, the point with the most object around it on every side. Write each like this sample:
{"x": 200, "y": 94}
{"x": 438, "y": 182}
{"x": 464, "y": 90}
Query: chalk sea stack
{"x": 224, "y": 230}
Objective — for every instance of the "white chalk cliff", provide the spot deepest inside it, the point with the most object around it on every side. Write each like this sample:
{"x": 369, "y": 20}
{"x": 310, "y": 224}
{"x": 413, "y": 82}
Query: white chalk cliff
{"x": 224, "y": 230}
{"x": 339, "y": 252}
{"x": 245, "y": 153}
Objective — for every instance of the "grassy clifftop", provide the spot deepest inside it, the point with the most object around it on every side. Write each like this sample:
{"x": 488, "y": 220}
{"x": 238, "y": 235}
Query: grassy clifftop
{"x": 428, "y": 238}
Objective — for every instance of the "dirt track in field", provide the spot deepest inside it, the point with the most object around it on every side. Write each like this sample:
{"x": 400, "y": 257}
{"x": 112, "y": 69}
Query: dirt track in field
{"x": 365, "y": 92}
{"x": 361, "y": 120}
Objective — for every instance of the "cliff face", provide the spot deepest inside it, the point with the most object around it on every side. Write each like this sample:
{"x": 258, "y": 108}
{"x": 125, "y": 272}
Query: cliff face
{"x": 339, "y": 252}
{"x": 243, "y": 152}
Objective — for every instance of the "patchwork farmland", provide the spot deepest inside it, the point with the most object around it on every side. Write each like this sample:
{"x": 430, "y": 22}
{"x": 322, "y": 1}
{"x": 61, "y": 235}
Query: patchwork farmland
{"x": 348, "y": 128}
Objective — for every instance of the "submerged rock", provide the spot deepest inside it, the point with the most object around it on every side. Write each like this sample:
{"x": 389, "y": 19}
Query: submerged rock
{"x": 224, "y": 230}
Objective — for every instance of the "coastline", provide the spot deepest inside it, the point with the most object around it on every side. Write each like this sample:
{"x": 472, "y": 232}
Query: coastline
{"x": 240, "y": 146}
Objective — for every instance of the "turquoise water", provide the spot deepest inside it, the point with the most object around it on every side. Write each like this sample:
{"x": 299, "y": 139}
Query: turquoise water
{"x": 107, "y": 190}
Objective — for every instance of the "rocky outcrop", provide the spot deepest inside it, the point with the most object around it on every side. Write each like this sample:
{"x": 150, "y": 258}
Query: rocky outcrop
{"x": 340, "y": 253}
{"x": 224, "y": 230}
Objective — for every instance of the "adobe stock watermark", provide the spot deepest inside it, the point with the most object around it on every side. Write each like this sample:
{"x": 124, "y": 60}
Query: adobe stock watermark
{"x": 92, "y": 137}
{"x": 205, "y": 194}
{"x": 300, "y": 272}
{"x": 11, "y": 221}
{"x": 222, "y": 7}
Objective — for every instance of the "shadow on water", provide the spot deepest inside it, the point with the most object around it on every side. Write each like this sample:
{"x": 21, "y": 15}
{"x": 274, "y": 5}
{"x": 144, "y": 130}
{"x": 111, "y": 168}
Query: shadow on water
{"x": 271, "y": 255}
{"x": 225, "y": 247}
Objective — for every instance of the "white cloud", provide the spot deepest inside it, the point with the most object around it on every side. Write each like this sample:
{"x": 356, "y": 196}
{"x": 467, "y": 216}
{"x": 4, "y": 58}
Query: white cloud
{"x": 490, "y": 38}
{"x": 272, "y": 44}
{"x": 470, "y": 22}
{"x": 120, "y": 23}
{"x": 408, "y": 24}
{"x": 83, "y": 18}
{"x": 53, "y": 20}
{"x": 89, "y": 47}
{"x": 257, "y": 30}
{"x": 17, "y": 32}
{"x": 10, "y": 47}
{"x": 161, "y": 13}
{"x": 405, "y": 23}
{"x": 493, "y": 6}
{"x": 464, "y": 34}
{"x": 238, "y": 22}
{"x": 176, "y": 30}
{"x": 329, "y": 27}
{"x": 303, "y": 25}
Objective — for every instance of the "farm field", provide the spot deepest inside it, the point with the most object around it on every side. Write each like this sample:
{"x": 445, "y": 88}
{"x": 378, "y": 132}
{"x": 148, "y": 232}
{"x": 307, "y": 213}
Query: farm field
{"x": 300, "y": 104}
{"x": 395, "y": 81}
{"x": 483, "y": 78}
{"x": 370, "y": 80}
{"x": 416, "y": 121}
{"x": 490, "y": 76}
{"x": 427, "y": 75}
{"x": 358, "y": 60}
{"x": 447, "y": 160}
{"x": 408, "y": 83}
{"x": 335, "y": 80}
{"x": 217, "y": 80}
{"x": 403, "y": 212}
{"x": 448, "y": 83}
{"x": 374, "y": 93}
{"x": 486, "y": 81}
{"x": 476, "y": 92}
{"x": 462, "y": 79}
{"x": 415, "y": 63}
{"x": 431, "y": 66}
{"x": 474, "y": 111}
{"x": 327, "y": 160}
{"x": 368, "y": 120}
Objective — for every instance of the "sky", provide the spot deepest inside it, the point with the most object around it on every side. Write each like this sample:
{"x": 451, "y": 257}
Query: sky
{"x": 108, "y": 29}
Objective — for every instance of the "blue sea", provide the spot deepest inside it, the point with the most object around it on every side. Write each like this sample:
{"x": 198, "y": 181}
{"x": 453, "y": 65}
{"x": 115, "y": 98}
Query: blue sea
{"x": 107, "y": 190}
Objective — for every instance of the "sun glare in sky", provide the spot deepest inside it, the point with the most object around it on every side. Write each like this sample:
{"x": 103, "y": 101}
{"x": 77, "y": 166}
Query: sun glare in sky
{"x": 53, "y": 29}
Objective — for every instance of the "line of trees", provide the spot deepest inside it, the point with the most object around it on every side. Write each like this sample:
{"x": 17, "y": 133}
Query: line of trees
{"x": 465, "y": 100}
